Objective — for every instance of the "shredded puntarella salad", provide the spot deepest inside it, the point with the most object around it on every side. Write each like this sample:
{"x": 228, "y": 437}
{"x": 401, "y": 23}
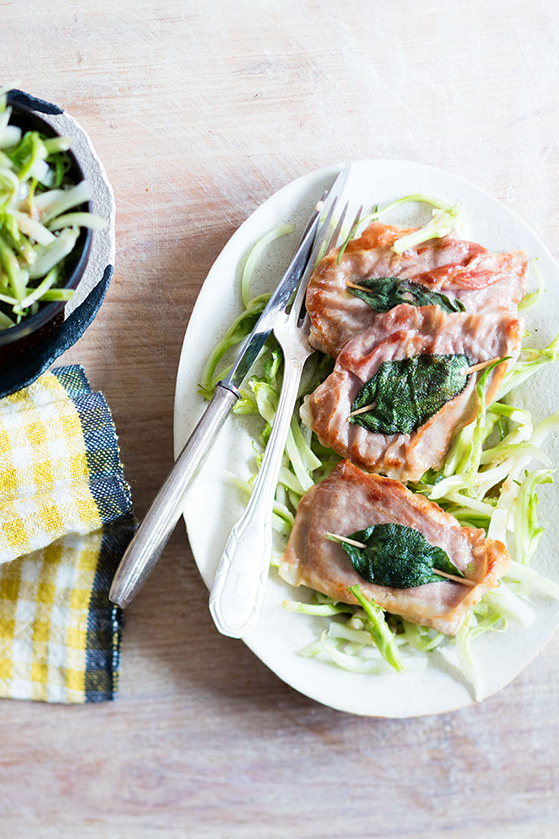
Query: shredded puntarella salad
{"x": 489, "y": 480}
{"x": 37, "y": 231}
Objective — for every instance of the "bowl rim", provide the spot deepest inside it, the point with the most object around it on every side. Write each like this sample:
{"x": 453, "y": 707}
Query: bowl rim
{"x": 48, "y": 311}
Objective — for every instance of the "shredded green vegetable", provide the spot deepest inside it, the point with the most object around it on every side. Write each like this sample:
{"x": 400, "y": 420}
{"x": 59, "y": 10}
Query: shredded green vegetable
{"x": 255, "y": 255}
{"x": 443, "y": 221}
{"x": 532, "y": 298}
{"x": 379, "y": 629}
{"x": 37, "y": 234}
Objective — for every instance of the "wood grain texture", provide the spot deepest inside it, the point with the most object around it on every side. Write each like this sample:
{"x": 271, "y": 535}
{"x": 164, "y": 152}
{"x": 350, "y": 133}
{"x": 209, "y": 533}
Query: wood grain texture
{"x": 199, "y": 111}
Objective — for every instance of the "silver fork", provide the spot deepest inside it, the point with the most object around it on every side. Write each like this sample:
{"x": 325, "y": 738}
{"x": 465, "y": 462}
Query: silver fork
{"x": 238, "y": 589}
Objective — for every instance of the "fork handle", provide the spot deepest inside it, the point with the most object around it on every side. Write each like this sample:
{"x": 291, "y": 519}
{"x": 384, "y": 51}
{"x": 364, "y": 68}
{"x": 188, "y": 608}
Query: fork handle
{"x": 153, "y": 534}
{"x": 239, "y": 585}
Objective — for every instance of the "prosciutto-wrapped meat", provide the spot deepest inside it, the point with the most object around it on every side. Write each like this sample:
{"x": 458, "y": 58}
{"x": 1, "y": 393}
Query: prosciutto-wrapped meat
{"x": 460, "y": 274}
{"x": 348, "y": 501}
{"x": 405, "y": 451}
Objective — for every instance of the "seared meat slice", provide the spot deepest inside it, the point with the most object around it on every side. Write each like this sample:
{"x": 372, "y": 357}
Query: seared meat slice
{"x": 481, "y": 280}
{"x": 349, "y": 500}
{"x": 401, "y": 333}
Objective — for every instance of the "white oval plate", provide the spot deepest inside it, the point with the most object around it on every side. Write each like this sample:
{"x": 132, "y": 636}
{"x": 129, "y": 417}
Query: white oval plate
{"x": 212, "y": 505}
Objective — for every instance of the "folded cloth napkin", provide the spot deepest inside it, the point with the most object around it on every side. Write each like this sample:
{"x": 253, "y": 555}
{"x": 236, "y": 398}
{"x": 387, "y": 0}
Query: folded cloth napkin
{"x": 65, "y": 519}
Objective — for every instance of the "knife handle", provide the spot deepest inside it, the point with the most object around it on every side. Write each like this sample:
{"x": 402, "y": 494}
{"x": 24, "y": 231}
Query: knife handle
{"x": 240, "y": 582}
{"x": 153, "y": 534}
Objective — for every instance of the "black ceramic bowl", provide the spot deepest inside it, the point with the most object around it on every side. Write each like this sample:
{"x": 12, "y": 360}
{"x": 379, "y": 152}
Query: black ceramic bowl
{"x": 22, "y": 339}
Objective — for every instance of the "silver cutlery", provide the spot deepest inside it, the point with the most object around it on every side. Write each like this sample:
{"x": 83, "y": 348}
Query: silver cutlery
{"x": 238, "y": 590}
{"x": 151, "y": 537}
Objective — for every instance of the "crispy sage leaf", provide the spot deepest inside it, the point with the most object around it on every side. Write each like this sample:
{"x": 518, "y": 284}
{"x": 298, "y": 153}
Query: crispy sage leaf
{"x": 387, "y": 292}
{"x": 398, "y": 557}
{"x": 407, "y": 392}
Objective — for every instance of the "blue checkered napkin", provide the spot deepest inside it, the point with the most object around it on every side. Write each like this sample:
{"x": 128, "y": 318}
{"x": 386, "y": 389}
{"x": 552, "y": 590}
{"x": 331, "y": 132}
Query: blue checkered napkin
{"x": 65, "y": 519}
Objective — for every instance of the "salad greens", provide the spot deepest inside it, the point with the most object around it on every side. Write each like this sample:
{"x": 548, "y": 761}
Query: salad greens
{"x": 378, "y": 628}
{"x": 36, "y": 231}
{"x": 487, "y": 481}
{"x": 444, "y": 220}
{"x": 442, "y": 223}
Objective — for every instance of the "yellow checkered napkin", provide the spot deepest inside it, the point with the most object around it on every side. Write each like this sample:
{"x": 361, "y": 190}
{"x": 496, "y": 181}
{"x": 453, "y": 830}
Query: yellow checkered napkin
{"x": 65, "y": 519}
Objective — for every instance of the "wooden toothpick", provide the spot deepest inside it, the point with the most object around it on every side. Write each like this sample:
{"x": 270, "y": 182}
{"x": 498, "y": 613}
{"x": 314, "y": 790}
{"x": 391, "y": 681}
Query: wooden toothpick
{"x": 407, "y": 297}
{"x": 454, "y": 578}
{"x": 481, "y": 366}
{"x": 349, "y": 284}
{"x": 363, "y": 410}
{"x": 335, "y": 538}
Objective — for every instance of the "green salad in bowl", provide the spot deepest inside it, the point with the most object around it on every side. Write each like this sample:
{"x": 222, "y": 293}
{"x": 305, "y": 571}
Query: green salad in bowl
{"x": 46, "y": 225}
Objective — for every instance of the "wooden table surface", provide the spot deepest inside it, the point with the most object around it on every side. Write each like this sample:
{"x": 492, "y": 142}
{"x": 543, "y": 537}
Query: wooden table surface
{"x": 201, "y": 109}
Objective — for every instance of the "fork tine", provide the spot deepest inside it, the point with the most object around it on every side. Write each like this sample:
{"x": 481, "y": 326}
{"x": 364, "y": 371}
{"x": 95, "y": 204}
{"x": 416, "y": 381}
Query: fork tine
{"x": 352, "y": 233}
{"x": 335, "y": 235}
{"x": 318, "y": 251}
{"x": 357, "y": 218}
{"x": 315, "y": 253}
